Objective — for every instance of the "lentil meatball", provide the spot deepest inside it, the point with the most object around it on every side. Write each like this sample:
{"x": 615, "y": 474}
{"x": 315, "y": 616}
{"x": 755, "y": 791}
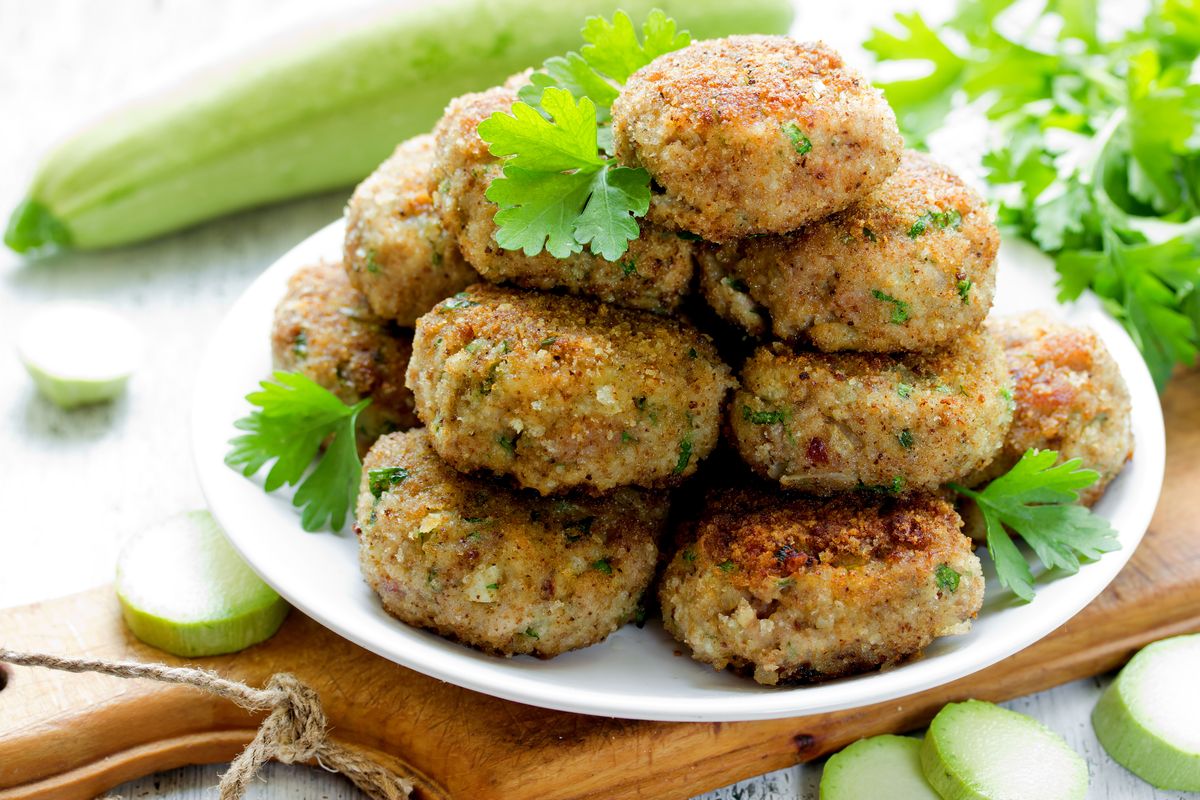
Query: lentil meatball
{"x": 753, "y": 134}
{"x": 324, "y": 329}
{"x": 396, "y": 251}
{"x": 500, "y": 569}
{"x": 827, "y": 422}
{"x": 911, "y": 267}
{"x": 1068, "y": 396}
{"x": 802, "y": 589}
{"x": 654, "y": 274}
{"x": 561, "y": 392}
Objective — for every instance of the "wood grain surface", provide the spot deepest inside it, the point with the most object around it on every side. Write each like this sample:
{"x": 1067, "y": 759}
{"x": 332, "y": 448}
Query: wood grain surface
{"x": 72, "y": 736}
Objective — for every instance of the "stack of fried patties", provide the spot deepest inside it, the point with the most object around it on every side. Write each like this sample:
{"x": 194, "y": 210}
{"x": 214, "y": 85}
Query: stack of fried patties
{"x": 562, "y": 399}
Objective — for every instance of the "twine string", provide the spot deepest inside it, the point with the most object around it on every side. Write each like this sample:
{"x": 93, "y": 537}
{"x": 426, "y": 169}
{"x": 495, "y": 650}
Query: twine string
{"x": 295, "y": 729}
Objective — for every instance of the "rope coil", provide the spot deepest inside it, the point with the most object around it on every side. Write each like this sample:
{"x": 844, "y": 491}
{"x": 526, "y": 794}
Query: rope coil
{"x": 295, "y": 729}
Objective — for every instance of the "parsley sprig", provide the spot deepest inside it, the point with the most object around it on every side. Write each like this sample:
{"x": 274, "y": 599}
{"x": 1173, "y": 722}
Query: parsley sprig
{"x": 562, "y": 190}
{"x": 1036, "y": 500}
{"x": 294, "y": 416}
{"x": 1099, "y": 155}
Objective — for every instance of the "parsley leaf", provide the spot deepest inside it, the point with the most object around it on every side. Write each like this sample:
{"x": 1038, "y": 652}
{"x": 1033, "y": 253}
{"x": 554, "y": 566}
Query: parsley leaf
{"x": 560, "y": 192}
{"x": 899, "y": 307}
{"x": 557, "y": 192}
{"x": 1098, "y": 160}
{"x": 1037, "y": 501}
{"x": 947, "y": 578}
{"x": 294, "y": 416}
{"x": 611, "y": 54}
{"x": 921, "y": 103}
{"x": 762, "y": 417}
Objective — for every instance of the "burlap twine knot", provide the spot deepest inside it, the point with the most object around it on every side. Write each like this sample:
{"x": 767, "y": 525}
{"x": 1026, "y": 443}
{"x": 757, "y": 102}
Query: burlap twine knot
{"x": 295, "y": 729}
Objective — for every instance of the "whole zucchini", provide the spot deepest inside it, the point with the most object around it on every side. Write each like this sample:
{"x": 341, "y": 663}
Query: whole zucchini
{"x": 314, "y": 117}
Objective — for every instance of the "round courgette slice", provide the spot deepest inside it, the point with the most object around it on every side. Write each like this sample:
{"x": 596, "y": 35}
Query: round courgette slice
{"x": 185, "y": 590}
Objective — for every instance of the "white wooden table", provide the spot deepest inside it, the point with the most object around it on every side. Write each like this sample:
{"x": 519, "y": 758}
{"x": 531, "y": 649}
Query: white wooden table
{"x": 73, "y": 485}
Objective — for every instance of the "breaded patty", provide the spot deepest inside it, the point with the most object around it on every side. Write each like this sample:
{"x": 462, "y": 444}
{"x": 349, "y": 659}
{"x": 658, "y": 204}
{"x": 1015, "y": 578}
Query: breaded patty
{"x": 396, "y": 251}
{"x": 497, "y": 568}
{"x": 827, "y": 422}
{"x": 1069, "y": 396}
{"x": 800, "y": 589}
{"x": 911, "y": 267}
{"x": 324, "y": 329}
{"x": 562, "y": 392}
{"x": 753, "y": 134}
{"x": 654, "y": 274}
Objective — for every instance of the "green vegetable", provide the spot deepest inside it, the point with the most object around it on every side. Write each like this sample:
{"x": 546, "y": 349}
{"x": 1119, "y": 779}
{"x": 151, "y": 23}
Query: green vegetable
{"x": 184, "y": 589}
{"x": 737, "y": 284}
{"x": 602, "y": 565}
{"x": 1147, "y": 718}
{"x": 312, "y": 117}
{"x": 295, "y": 416}
{"x": 800, "y": 143}
{"x": 382, "y": 479}
{"x": 940, "y": 219}
{"x": 899, "y": 307}
{"x": 980, "y": 751}
{"x": 79, "y": 354}
{"x": 879, "y": 767}
{"x": 1037, "y": 501}
{"x": 947, "y": 579}
{"x": 964, "y": 291}
{"x": 905, "y": 438}
{"x": 762, "y": 417}
{"x": 904, "y": 390}
{"x": 560, "y": 190}
{"x": 1100, "y": 161}
{"x": 685, "y": 454}
{"x": 457, "y": 302}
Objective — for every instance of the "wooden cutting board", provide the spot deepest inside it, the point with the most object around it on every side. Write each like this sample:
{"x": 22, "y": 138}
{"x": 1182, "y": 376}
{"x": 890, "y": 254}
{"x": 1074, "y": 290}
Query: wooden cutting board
{"x": 74, "y": 736}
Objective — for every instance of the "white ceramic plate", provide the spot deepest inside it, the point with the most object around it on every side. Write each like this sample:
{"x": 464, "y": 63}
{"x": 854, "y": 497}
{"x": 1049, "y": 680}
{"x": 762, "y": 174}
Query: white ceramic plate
{"x": 634, "y": 673}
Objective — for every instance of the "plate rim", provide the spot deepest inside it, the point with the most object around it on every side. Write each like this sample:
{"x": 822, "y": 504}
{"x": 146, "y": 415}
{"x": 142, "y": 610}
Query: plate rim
{"x": 531, "y": 689}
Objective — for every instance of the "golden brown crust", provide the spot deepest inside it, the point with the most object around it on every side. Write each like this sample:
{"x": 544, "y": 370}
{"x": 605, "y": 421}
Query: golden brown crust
{"x": 753, "y": 134}
{"x": 799, "y": 588}
{"x": 396, "y": 251}
{"x": 653, "y": 275}
{"x": 501, "y": 569}
{"x": 324, "y": 329}
{"x": 561, "y": 392}
{"x": 1069, "y": 396}
{"x": 828, "y": 422}
{"x": 910, "y": 267}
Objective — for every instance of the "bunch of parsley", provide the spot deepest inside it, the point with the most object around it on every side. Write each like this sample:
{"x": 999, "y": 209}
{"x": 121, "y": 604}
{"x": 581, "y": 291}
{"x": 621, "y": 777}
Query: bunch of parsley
{"x": 1101, "y": 153}
{"x": 562, "y": 190}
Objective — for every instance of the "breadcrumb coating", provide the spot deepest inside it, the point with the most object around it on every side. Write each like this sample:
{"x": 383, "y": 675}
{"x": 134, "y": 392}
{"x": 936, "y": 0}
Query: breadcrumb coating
{"x": 828, "y": 422}
{"x": 396, "y": 251}
{"x": 753, "y": 134}
{"x": 802, "y": 589}
{"x": 561, "y": 392}
{"x": 910, "y": 267}
{"x": 500, "y": 569}
{"x": 1068, "y": 396}
{"x": 654, "y": 274}
{"x": 324, "y": 329}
